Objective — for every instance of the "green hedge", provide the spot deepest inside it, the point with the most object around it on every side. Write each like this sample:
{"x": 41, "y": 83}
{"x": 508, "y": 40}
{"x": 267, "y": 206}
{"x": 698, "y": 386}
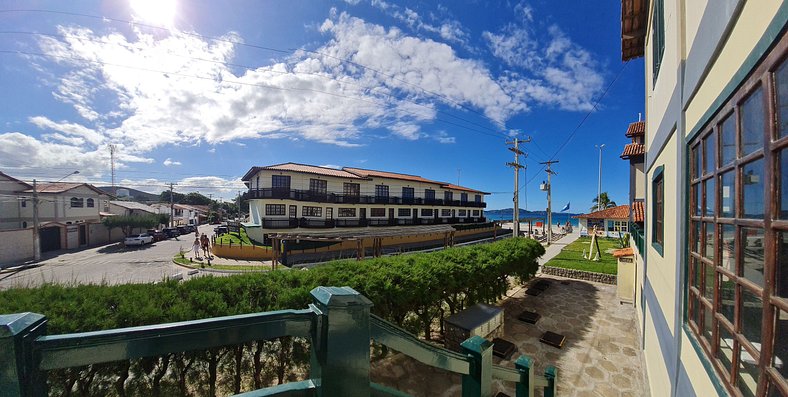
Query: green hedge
{"x": 414, "y": 291}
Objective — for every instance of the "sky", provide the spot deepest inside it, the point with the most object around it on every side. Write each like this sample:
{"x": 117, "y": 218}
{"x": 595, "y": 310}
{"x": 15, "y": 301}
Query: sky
{"x": 197, "y": 92}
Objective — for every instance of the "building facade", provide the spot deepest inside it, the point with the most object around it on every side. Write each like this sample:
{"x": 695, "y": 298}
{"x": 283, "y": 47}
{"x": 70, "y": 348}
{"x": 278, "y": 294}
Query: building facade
{"x": 714, "y": 291}
{"x": 609, "y": 222}
{"x": 293, "y": 196}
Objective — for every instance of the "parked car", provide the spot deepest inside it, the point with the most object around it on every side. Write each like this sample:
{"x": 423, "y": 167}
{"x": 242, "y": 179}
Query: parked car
{"x": 140, "y": 239}
{"x": 158, "y": 235}
{"x": 219, "y": 230}
{"x": 183, "y": 230}
{"x": 191, "y": 228}
{"x": 171, "y": 232}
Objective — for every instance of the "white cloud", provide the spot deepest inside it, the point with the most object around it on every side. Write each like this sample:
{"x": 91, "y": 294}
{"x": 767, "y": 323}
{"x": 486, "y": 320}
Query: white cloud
{"x": 74, "y": 132}
{"x": 168, "y": 162}
{"x": 444, "y": 138}
{"x": 334, "y": 166}
{"x": 213, "y": 185}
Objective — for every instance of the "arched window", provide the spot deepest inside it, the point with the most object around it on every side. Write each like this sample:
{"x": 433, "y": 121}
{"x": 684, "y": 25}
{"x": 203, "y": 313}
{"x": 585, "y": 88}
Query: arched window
{"x": 24, "y": 225}
{"x": 90, "y": 203}
{"x": 76, "y": 202}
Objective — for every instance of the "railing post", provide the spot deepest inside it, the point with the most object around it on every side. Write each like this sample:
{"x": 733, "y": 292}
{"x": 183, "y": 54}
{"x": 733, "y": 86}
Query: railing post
{"x": 341, "y": 352}
{"x": 17, "y": 366}
{"x": 551, "y": 374}
{"x": 479, "y": 382}
{"x": 525, "y": 388}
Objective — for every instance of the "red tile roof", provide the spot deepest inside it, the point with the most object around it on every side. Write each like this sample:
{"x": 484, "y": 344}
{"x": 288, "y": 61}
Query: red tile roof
{"x": 636, "y": 129}
{"x": 633, "y": 150}
{"x": 638, "y": 213}
{"x": 634, "y": 17}
{"x": 624, "y": 252}
{"x": 60, "y": 187}
{"x": 309, "y": 169}
{"x": 620, "y": 212}
{"x": 383, "y": 174}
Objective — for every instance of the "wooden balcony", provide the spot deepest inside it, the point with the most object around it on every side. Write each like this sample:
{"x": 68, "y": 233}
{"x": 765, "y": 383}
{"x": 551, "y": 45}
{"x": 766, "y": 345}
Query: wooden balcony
{"x": 335, "y": 198}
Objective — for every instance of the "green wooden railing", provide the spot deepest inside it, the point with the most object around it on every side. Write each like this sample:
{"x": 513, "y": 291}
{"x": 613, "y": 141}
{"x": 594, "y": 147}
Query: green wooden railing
{"x": 338, "y": 324}
{"x": 638, "y": 236}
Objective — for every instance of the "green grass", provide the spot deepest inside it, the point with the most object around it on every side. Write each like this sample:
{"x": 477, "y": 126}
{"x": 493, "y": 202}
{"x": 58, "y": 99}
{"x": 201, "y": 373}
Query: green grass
{"x": 236, "y": 239}
{"x": 204, "y": 265}
{"x": 571, "y": 257}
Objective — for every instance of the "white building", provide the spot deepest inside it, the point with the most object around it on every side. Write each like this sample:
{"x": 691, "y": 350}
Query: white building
{"x": 293, "y": 196}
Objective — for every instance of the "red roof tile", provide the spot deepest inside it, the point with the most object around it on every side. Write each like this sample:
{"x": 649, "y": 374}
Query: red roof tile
{"x": 60, "y": 187}
{"x": 638, "y": 213}
{"x": 624, "y": 252}
{"x": 633, "y": 149}
{"x": 636, "y": 129}
{"x": 620, "y": 212}
{"x": 634, "y": 18}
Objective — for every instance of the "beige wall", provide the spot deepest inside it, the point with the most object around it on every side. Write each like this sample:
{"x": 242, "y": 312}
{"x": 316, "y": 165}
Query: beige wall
{"x": 640, "y": 181}
{"x": 16, "y": 246}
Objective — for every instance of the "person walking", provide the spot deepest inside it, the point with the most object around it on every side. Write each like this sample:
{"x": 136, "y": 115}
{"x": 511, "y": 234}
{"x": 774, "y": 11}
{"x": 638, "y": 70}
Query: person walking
{"x": 206, "y": 245}
{"x": 196, "y": 249}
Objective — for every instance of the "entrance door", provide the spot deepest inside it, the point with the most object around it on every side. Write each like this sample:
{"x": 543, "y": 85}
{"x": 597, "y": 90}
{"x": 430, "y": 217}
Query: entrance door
{"x": 329, "y": 213}
{"x": 293, "y": 212}
{"x": 362, "y": 213}
{"x": 391, "y": 216}
{"x": 83, "y": 235}
{"x": 50, "y": 238}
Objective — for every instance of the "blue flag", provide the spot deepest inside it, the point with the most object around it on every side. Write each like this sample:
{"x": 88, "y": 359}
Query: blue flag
{"x": 566, "y": 208}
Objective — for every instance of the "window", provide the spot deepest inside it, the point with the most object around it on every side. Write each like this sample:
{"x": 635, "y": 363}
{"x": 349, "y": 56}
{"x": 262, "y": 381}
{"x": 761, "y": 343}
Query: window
{"x": 738, "y": 237}
{"x": 429, "y": 194}
{"x": 658, "y": 209}
{"x": 463, "y": 197}
{"x": 351, "y": 189}
{"x": 477, "y": 198}
{"x": 293, "y": 211}
{"x": 448, "y": 196}
{"x": 476, "y": 213}
{"x": 445, "y": 213}
{"x": 346, "y": 212}
{"x": 318, "y": 186}
{"x": 329, "y": 213}
{"x": 311, "y": 211}
{"x": 617, "y": 226}
{"x": 77, "y": 202}
{"x": 381, "y": 191}
{"x": 90, "y": 203}
{"x": 377, "y": 212}
{"x": 408, "y": 193}
{"x": 462, "y": 213}
{"x": 280, "y": 182}
{"x": 658, "y": 37}
{"x": 426, "y": 212}
{"x": 274, "y": 209}
{"x": 24, "y": 203}
{"x": 24, "y": 225}
{"x": 403, "y": 212}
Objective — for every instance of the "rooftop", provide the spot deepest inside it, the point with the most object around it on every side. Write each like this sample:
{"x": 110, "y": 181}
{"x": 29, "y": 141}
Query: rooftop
{"x": 633, "y": 150}
{"x": 638, "y": 213}
{"x": 634, "y": 17}
{"x": 620, "y": 212}
{"x": 637, "y": 128}
{"x": 60, "y": 187}
{"x": 133, "y": 205}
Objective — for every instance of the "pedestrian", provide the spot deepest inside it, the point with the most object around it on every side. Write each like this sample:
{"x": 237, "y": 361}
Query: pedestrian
{"x": 206, "y": 245}
{"x": 196, "y": 249}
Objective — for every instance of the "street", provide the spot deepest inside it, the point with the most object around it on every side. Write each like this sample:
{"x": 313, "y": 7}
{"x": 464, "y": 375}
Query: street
{"x": 110, "y": 264}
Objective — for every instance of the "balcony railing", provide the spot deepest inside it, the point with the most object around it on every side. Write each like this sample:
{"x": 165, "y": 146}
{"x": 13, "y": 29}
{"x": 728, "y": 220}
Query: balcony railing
{"x": 638, "y": 236}
{"x": 339, "y": 326}
{"x": 333, "y": 198}
{"x": 293, "y": 223}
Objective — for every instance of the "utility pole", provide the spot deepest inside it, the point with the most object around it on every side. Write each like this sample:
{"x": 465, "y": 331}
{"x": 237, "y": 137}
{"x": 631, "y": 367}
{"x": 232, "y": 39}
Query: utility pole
{"x": 239, "y": 205}
{"x": 549, "y": 201}
{"x": 112, "y": 149}
{"x": 172, "y": 207}
{"x": 516, "y": 165}
{"x": 599, "y": 187}
{"x": 36, "y": 241}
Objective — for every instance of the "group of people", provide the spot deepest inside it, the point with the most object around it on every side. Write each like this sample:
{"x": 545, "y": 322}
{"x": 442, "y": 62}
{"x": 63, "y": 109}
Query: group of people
{"x": 201, "y": 242}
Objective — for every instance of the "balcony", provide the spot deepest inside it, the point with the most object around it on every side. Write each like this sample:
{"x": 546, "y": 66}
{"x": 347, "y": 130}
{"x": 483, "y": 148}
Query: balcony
{"x": 293, "y": 223}
{"x": 638, "y": 236}
{"x": 338, "y": 325}
{"x": 333, "y": 198}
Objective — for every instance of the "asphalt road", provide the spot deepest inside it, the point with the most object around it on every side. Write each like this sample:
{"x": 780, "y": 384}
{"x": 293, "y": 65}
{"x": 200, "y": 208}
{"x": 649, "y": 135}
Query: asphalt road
{"x": 110, "y": 264}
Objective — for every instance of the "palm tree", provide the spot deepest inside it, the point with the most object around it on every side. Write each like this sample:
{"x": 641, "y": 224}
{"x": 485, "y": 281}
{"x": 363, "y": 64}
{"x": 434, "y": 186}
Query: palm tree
{"x": 604, "y": 202}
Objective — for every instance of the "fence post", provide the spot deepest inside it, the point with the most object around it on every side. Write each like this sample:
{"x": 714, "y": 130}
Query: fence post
{"x": 525, "y": 387}
{"x": 341, "y": 346}
{"x": 479, "y": 382}
{"x": 551, "y": 374}
{"x": 17, "y": 332}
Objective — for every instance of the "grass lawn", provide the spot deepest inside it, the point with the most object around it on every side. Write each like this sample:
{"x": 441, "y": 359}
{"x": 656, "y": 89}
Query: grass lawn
{"x": 204, "y": 265}
{"x": 236, "y": 239}
{"x": 571, "y": 257}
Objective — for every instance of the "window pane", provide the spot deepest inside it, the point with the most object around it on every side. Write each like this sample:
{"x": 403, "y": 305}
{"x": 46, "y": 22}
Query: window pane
{"x": 752, "y": 123}
{"x": 727, "y": 246}
{"x": 695, "y": 272}
{"x": 781, "y": 79}
{"x": 752, "y": 255}
{"x": 710, "y": 195}
{"x": 780, "y": 354}
{"x": 728, "y": 194}
{"x": 696, "y": 196}
{"x": 728, "y": 144}
{"x": 782, "y": 180}
{"x": 747, "y": 379}
{"x": 751, "y": 316}
{"x": 695, "y": 246}
{"x": 727, "y": 297}
{"x": 752, "y": 186}
{"x": 782, "y": 265}
{"x": 698, "y": 311}
{"x": 707, "y": 323}
{"x": 725, "y": 352}
{"x": 710, "y": 148}
{"x": 709, "y": 236}
{"x": 708, "y": 287}
{"x": 696, "y": 161}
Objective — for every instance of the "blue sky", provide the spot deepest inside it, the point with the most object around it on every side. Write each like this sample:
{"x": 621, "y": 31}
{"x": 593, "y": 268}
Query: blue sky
{"x": 426, "y": 88}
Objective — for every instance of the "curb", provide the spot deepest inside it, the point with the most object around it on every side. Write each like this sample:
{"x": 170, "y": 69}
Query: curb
{"x": 207, "y": 270}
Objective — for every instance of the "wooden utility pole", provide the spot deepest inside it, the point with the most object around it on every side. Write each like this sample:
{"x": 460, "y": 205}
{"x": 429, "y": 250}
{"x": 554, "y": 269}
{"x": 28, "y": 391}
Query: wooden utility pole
{"x": 36, "y": 238}
{"x": 549, "y": 201}
{"x": 172, "y": 207}
{"x": 516, "y": 165}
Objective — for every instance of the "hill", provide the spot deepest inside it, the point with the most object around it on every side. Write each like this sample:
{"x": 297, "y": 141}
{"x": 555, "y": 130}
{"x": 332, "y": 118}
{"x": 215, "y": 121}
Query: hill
{"x": 134, "y": 194}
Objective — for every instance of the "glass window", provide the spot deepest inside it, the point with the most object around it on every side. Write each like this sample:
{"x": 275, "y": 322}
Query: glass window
{"x": 658, "y": 209}
{"x": 426, "y": 212}
{"x": 708, "y": 323}
{"x": 753, "y": 189}
{"x": 697, "y": 197}
{"x": 781, "y": 83}
{"x": 781, "y": 281}
{"x": 709, "y": 150}
{"x": 696, "y": 273}
{"x": 77, "y": 202}
{"x": 752, "y": 242}
{"x": 748, "y": 375}
{"x": 274, "y": 209}
{"x": 381, "y": 191}
{"x": 280, "y": 181}
{"x": 477, "y": 198}
{"x": 90, "y": 203}
{"x": 753, "y": 117}
{"x": 448, "y": 196}
{"x": 293, "y": 211}
{"x": 751, "y": 314}
{"x": 408, "y": 193}
{"x": 476, "y": 212}
{"x": 725, "y": 351}
{"x": 709, "y": 239}
{"x": 464, "y": 197}
{"x": 318, "y": 186}
{"x": 377, "y": 212}
{"x": 728, "y": 194}
{"x": 429, "y": 194}
{"x": 351, "y": 189}
{"x": 727, "y": 248}
{"x": 696, "y": 237}
{"x": 346, "y": 212}
{"x": 696, "y": 162}
{"x": 710, "y": 196}
{"x": 728, "y": 141}
{"x": 311, "y": 211}
{"x": 445, "y": 212}
{"x": 727, "y": 298}
{"x": 462, "y": 213}
{"x": 658, "y": 38}
{"x": 403, "y": 212}
{"x": 780, "y": 358}
{"x": 782, "y": 180}
{"x": 709, "y": 276}
{"x": 24, "y": 203}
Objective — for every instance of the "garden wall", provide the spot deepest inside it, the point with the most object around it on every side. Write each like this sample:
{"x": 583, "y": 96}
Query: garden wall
{"x": 580, "y": 275}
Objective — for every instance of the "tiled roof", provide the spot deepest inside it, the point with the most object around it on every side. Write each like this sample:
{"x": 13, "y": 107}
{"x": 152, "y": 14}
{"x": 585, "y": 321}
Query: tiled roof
{"x": 624, "y": 252}
{"x": 638, "y": 213}
{"x": 457, "y": 187}
{"x": 636, "y": 129}
{"x": 634, "y": 17}
{"x": 620, "y": 212}
{"x": 309, "y": 169}
{"x": 633, "y": 149}
{"x": 383, "y": 174}
{"x": 133, "y": 205}
{"x": 11, "y": 178}
{"x": 60, "y": 187}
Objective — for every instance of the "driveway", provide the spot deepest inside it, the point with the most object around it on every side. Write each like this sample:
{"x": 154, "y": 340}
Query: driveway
{"x": 111, "y": 264}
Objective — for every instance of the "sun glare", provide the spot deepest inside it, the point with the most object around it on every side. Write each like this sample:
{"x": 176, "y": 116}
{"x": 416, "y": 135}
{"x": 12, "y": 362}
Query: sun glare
{"x": 154, "y": 12}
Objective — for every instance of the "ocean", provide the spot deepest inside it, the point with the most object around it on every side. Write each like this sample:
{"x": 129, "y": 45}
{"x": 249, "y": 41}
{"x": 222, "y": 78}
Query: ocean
{"x": 557, "y": 218}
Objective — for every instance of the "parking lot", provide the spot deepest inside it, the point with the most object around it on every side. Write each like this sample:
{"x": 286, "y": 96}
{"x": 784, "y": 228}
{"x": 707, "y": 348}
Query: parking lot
{"x": 111, "y": 264}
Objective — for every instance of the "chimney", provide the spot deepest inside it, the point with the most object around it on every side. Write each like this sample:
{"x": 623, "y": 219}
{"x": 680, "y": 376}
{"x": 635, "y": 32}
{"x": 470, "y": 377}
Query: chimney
{"x": 639, "y": 115}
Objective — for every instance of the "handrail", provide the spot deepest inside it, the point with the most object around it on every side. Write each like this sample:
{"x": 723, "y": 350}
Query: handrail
{"x": 73, "y": 350}
{"x": 402, "y": 341}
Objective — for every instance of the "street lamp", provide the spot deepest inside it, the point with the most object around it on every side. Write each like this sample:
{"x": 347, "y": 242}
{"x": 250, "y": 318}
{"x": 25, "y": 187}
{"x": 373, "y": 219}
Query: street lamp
{"x": 599, "y": 187}
{"x": 73, "y": 173}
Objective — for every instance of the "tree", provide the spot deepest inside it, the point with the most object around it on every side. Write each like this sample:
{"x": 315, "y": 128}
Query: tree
{"x": 604, "y": 202}
{"x": 164, "y": 197}
{"x": 195, "y": 199}
{"x": 127, "y": 223}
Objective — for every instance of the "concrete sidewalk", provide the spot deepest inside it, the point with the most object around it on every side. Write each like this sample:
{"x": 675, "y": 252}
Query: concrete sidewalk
{"x": 553, "y": 249}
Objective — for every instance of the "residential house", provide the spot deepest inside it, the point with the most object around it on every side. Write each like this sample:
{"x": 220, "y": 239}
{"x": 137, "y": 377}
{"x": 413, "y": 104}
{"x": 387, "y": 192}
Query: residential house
{"x": 12, "y": 203}
{"x": 713, "y": 301}
{"x": 130, "y": 208}
{"x": 293, "y": 196}
{"x": 182, "y": 214}
{"x": 609, "y": 222}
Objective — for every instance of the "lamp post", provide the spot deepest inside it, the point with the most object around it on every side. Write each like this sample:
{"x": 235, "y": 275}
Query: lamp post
{"x": 599, "y": 187}
{"x": 36, "y": 240}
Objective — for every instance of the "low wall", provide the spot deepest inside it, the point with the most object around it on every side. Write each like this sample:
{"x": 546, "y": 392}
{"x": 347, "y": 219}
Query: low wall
{"x": 243, "y": 252}
{"x": 580, "y": 275}
{"x": 16, "y": 246}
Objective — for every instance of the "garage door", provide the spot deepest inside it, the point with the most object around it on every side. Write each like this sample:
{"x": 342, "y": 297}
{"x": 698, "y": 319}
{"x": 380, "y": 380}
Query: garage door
{"x": 50, "y": 238}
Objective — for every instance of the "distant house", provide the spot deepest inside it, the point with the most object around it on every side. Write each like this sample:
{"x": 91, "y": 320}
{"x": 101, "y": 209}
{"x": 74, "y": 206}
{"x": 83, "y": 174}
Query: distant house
{"x": 117, "y": 207}
{"x": 183, "y": 214}
{"x": 610, "y": 222}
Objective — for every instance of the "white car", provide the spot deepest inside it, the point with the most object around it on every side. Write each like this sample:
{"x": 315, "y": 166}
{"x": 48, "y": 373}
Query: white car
{"x": 140, "y": 239}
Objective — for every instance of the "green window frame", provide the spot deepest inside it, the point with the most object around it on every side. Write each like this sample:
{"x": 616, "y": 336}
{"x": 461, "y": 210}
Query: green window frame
{"x": 658, "y": 209}
{"x": 657, "y": 37}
